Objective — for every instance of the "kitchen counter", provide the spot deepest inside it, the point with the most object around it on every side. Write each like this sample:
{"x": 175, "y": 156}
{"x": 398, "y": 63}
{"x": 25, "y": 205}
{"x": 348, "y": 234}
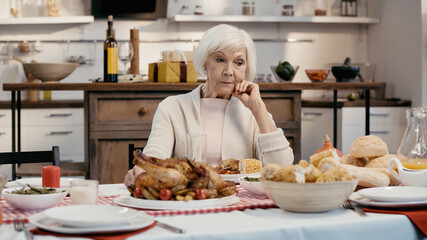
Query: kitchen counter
{"x": 46, "y": 104}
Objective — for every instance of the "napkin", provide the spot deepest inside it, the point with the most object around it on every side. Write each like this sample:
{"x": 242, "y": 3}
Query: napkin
{"x": 417, "y": 216}
{"x": 96, "y": 236}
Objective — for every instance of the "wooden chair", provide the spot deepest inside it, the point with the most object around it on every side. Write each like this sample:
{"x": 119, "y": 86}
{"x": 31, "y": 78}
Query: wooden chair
{"x": 131, "y": 149}
{"x": 19, "y": 158}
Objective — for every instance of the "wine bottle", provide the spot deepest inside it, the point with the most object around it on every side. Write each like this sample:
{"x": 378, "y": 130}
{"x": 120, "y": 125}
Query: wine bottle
{"x": 110, "y": 54}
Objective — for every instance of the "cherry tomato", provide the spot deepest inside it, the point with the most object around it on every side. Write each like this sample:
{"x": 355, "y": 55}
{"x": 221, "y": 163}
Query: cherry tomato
{"x": 165, "y": 194}
{"x": 201, "y": 194}
{"x": 226, "y": 172}
{"x": 137, "y": 193}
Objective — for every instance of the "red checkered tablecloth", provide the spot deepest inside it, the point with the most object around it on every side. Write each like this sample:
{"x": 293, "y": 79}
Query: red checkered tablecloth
{"x": 247, "y": 200}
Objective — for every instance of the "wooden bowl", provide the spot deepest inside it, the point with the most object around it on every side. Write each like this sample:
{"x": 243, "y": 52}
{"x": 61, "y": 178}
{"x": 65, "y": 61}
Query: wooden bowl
{"x": 50, "y": 72}
{"x": 309, "y": 197}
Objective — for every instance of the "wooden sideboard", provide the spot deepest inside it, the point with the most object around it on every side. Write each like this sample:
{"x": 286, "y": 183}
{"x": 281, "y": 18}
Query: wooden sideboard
{"x": 117, "y": 114}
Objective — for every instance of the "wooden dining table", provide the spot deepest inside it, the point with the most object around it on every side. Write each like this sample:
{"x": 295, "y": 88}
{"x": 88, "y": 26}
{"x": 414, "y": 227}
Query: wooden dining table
{"x": 266, "y": 221}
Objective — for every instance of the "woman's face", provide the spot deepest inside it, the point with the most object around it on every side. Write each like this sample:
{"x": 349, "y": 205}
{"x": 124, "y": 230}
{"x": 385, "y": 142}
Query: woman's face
{"x": 224, "y": 70}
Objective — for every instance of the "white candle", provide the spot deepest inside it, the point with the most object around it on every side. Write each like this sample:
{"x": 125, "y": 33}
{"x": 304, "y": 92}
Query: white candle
{"x": 83, "y": 195}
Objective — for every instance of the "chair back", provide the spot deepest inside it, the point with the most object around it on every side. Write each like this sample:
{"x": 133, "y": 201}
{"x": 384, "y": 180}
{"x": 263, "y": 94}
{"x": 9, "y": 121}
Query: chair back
{"x": 15, "y": 158}
{"x": 132, "y": 148}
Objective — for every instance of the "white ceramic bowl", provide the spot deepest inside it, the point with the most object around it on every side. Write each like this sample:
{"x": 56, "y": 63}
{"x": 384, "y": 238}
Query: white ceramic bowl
{"x": 253, "y": 187}
{"x": 50, "y": 72}
{"x": 33, "y": 201}
{"x": 309, "y": 197}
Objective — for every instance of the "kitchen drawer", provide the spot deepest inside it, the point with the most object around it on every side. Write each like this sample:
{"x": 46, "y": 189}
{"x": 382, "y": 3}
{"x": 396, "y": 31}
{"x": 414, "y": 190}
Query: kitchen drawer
{"x": 120, "y": 111}
{"x": 52, "y": 117}
{"x": 69, "y": 139}
{"x": 5, "y": 118}
{"x": 281, "y": 109}
{"x": 5, "y": 139}
{"x": 387, "y": 115}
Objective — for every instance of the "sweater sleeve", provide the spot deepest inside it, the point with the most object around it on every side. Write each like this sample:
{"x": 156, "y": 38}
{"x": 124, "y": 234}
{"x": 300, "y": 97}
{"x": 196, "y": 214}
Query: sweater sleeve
{"x": 161, "y": 141}
{"x": 274, "y": 148}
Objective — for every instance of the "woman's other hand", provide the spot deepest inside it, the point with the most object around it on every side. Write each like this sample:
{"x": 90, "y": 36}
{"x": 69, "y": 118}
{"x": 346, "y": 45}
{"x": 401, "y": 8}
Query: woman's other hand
{"x": 132, "y": 174}
{"x": 248, "y": 93}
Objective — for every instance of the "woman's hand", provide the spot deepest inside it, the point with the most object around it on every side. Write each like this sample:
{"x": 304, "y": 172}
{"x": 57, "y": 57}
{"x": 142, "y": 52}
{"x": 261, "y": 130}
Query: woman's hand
{"x": 132, "y": 174}
{"x": 248, "y": 93}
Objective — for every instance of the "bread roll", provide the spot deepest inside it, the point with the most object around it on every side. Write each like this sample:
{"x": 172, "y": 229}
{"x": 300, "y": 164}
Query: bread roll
{"x": 358, "y": 162}
{"x": 369, "y": 177}
{"x": 369, "y": 146}
{"x": 380, "y": 162}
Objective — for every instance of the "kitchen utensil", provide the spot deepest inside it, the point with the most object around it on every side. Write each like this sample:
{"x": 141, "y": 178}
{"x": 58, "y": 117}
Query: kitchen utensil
{"x": 19, "y": 225}
{"x": 408, "y": 177}
{"x": 346, "y": 72}
{"x": 349, "y": 205}
{"x": 170, "y": 227}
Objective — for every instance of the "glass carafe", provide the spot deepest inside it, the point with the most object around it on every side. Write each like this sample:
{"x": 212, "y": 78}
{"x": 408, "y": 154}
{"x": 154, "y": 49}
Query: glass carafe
{"x": 412, "y": 151}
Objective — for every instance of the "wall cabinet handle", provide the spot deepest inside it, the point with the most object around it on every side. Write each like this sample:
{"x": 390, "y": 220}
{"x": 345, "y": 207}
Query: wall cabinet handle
{"x": 379, "y": 132}
{"x": 143, "y": 111}
{"x": 2, "y": 133}
{"x": 60, "y": 115}
{"x": 379, "y": 114}
{"x": 313, "y": 113}
{"x": 60, "y": 133}
{"x": 2, "y": 115}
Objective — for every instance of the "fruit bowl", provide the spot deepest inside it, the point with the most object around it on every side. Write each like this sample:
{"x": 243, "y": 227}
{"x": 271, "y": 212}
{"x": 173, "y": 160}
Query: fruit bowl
{"x": 50, "y": 72}
{"x": 317, "y": 75}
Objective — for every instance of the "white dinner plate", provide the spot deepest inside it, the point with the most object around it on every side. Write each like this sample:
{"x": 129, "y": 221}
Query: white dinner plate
{"x": 235, "y": 177}
{"x": 89, "y": 215}
{"x": 395, "y": 193}
{"x": 140, "y": 221}
{"x": 37, "y": 182}
{"x": 129, "y": 201}
{"x": 359, "y": 199}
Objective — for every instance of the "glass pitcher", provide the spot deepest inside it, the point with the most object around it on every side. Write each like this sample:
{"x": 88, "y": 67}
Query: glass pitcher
{"x": 412, "y": 151}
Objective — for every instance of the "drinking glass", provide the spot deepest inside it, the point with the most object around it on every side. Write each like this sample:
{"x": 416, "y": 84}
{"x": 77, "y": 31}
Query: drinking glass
{"x": 84, "y": 191}
{"x": 195, "y": 147}
{"x": 125, "y": 54}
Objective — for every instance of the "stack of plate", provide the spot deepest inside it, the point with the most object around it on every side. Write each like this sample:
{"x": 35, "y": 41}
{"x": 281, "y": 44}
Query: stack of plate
{"x": 391, "y": 197}
{"x": 82, "y": 219}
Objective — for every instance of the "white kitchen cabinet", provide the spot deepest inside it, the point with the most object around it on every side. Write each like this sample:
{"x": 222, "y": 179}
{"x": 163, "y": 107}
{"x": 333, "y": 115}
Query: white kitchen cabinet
{"x": 47, "y": 20}
{"x": 43, "y": 128}
{"x": 315, "y": 123}
{"x": 388, "y": 123}
{"x": 63, "y": 127}
{"x": 5, "y": 138}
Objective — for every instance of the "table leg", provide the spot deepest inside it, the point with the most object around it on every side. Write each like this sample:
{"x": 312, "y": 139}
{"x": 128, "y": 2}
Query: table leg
{"x": 367, "y": 109}
{"x": 13, "y": 109}
{"x": 335, "y": 118}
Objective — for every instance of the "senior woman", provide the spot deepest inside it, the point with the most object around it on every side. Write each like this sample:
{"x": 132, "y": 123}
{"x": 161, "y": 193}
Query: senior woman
{"x": 228, "y": 107}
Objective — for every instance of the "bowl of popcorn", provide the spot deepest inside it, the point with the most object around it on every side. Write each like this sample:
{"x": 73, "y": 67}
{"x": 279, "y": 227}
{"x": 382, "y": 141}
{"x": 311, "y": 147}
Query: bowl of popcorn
{"x": 307, "y": 187}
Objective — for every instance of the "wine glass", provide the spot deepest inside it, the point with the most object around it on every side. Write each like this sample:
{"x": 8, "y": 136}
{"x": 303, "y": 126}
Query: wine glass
{"x": 125, "y": 54}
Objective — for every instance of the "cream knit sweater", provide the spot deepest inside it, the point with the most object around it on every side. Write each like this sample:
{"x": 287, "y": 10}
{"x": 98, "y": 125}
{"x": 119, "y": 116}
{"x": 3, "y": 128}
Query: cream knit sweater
{"x": 180, "y": 114}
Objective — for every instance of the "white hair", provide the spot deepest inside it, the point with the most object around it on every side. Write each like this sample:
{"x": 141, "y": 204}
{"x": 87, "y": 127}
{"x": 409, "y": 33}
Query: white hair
{"x": 223, "y": 37}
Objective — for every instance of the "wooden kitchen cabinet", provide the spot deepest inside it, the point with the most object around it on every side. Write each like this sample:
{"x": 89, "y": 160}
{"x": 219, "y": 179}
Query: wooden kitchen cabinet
{"x": 116, "y": 119}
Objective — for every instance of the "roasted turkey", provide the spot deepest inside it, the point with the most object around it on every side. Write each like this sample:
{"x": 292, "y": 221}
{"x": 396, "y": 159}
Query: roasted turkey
{"x": 180, "y": 175}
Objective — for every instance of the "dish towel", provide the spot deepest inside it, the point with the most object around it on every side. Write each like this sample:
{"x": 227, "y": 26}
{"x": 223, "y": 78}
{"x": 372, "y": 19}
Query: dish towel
{"x": 96, "y": 236}
{"x": 417, "y": 216}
